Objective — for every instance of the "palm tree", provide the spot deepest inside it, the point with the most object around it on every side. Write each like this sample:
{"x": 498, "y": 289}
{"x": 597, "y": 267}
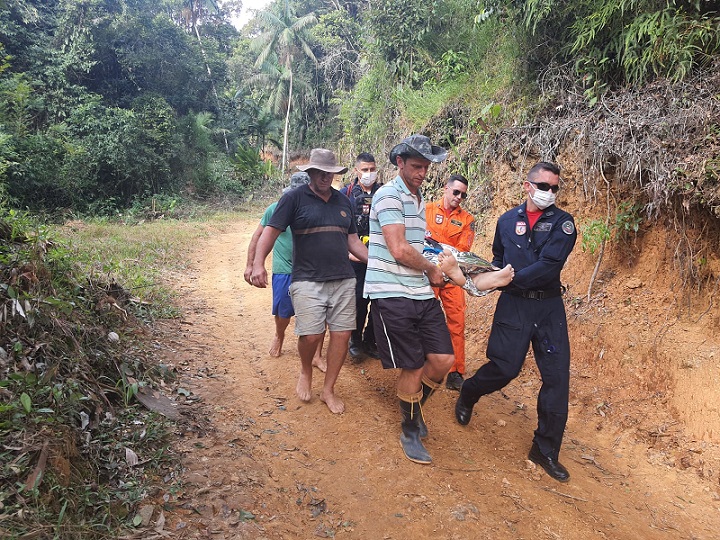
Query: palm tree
{"x": 285, "y": 37}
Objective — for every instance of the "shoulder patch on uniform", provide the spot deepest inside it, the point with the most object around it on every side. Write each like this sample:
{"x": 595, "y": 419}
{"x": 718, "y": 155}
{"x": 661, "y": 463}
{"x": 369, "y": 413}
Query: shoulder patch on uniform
{"x": 472, "y": 226}
{"x": 568, "y": 227}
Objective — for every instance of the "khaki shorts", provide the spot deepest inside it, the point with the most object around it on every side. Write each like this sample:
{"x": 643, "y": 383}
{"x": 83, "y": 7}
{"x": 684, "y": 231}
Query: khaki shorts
{"x": 318, "y": 303}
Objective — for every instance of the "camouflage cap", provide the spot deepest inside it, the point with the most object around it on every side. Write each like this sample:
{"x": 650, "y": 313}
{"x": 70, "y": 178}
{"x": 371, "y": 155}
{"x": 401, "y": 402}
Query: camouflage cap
{"x": 296, "y": 180}
{"x": 418, "y": 146}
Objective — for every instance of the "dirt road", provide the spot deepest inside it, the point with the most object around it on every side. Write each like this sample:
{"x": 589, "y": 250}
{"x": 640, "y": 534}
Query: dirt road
{"x": 260, "y": 464}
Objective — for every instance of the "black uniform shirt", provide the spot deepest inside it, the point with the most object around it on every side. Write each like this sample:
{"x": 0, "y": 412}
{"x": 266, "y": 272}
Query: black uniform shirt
{"x": 361, "y": 204}
{"x": 537, "y": 255}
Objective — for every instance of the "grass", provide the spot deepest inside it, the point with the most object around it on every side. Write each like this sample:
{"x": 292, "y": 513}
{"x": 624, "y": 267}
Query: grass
{"x": 140, "y": 257}
{"x": 420, "y": 106}
{"x": 68, "y": 413}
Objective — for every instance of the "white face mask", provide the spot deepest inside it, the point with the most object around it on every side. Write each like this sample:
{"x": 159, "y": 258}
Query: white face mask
{"x": 542, "y": 199}
{"x": 368, "y": 179}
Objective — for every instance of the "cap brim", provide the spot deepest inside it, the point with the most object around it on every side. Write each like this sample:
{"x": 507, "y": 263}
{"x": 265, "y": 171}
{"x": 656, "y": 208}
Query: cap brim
{"x": 438, "y": 155}
{"x": 324, "y": 168}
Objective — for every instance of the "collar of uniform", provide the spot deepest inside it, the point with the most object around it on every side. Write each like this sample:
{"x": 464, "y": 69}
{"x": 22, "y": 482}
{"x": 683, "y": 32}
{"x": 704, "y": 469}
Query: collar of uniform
{"x": 360, "y": 191}
{"x": 400, "y": 184}
{"x": 459, "y": 210}
{"x": 549, "y": 211}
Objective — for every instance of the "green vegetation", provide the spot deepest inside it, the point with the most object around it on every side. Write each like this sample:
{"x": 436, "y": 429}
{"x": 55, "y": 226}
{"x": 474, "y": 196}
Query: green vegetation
{"x": 618, "y": 41}
{"x": 104, "y": 103}
{"x": 622, "y": 229}
{"x": 71, "y": 366}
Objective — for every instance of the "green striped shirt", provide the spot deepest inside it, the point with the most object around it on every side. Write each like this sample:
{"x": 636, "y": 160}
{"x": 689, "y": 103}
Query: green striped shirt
{"x": 393, "y": 204}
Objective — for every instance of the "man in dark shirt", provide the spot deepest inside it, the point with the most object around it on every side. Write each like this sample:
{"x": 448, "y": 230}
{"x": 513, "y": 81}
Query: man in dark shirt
{"x": 323, "y": 282}
{"x": 360, "y": 193}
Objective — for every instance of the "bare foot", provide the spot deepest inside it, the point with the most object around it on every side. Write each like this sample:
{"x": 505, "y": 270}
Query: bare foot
{"x": 276, "y": 347}
{"x": 304, "y": 387}
{"x": 320, "y": 363}
{"x": 449, "y": 265}
{"x": 504, "y": 276}
{"x": 333, "y": 402}
{"x": 491, "y": 280}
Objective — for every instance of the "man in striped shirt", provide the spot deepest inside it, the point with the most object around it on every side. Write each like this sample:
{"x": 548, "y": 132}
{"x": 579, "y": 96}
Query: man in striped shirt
{"x": 410, "y": 328}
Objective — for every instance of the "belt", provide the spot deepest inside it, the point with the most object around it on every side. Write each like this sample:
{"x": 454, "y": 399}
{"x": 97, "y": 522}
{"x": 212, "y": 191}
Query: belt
{"x": 536, "y": 295}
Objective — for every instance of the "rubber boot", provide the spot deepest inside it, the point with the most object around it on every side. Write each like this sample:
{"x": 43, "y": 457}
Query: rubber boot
{"x": 428, "y": 388}
{"x": 410, "y": 437}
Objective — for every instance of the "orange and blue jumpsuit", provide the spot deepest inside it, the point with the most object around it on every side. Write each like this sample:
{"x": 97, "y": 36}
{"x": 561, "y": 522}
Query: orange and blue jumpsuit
{"x": 456, "y": 229}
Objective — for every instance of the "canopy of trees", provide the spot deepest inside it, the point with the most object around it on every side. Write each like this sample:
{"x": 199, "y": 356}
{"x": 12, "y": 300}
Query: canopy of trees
{"x": 103, "y": 102}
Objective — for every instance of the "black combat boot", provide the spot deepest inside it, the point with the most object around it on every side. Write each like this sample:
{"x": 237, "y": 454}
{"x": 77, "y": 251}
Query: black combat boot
{"x": 410, "y": 437}
{"x": 355, "y": 349}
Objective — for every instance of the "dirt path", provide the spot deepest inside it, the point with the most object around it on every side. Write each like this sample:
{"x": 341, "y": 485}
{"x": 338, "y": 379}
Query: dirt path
{"x": 258, "y": 463}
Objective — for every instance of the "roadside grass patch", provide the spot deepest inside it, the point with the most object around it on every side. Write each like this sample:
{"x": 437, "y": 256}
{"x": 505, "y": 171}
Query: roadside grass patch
{"x": 78, "y": 453}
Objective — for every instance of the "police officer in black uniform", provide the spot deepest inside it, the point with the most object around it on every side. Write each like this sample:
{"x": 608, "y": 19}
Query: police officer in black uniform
{"x": 360, "y": 192}
{"x": 536, "y": 239}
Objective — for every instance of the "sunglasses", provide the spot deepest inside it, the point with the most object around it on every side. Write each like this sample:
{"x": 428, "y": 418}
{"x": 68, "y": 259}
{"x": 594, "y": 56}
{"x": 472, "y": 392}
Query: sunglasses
{"x": 544, "y": 186}
{"x": 457, "y": 192}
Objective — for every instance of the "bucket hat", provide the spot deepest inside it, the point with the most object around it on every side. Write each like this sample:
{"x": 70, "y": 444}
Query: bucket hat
{"x": 323, "y": 160}
{"x": 296, "y": 180}
{"x": 418, "y": 146}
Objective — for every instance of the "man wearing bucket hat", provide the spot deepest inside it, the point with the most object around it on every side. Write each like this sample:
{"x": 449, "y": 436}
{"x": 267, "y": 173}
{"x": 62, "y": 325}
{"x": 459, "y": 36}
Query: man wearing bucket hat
{"x": 410, "y": 328}
{"x": 282, "y": 308}
{"x": 323, "y": 282}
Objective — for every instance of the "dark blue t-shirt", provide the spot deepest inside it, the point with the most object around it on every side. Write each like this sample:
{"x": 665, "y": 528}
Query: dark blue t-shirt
{"x": 361, "y": 204}
{"x": 320, "y": 233}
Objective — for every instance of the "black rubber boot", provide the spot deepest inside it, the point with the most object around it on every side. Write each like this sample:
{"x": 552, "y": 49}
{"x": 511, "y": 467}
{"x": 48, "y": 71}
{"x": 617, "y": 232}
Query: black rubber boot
{"x": 410, "y": 437}
{"x": 428, "y": 388}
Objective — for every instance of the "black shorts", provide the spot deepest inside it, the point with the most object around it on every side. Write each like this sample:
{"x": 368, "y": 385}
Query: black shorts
{"x": 406, "y": 331}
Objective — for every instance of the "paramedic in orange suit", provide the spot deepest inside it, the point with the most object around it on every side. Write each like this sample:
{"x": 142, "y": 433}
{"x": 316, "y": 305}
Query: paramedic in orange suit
{"x": 449, "y": 224}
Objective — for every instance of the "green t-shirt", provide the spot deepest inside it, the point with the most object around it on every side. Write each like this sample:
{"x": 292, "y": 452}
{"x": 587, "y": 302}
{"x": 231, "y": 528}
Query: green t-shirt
{"x": 282, "y": 250}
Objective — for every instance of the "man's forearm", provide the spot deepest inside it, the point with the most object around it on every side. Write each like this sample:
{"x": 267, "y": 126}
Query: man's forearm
{"x": 406, "y": 255}
{"x": 252, "y": 248}
{"x": 264, "y": 245}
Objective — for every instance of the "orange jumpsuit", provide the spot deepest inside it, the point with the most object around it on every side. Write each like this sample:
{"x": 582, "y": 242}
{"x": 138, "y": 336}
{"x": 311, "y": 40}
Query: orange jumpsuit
{"x": 456, "y": 229}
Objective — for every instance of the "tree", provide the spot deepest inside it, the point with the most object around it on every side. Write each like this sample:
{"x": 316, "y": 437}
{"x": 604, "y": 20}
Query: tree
{"x": 193, "y": 11}
{"x": 399, "y": 27}
{"x": 284, "y": 38}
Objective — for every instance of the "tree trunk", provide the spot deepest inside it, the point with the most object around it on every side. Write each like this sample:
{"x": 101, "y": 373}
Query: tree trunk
{"x": 287, "y": 124}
